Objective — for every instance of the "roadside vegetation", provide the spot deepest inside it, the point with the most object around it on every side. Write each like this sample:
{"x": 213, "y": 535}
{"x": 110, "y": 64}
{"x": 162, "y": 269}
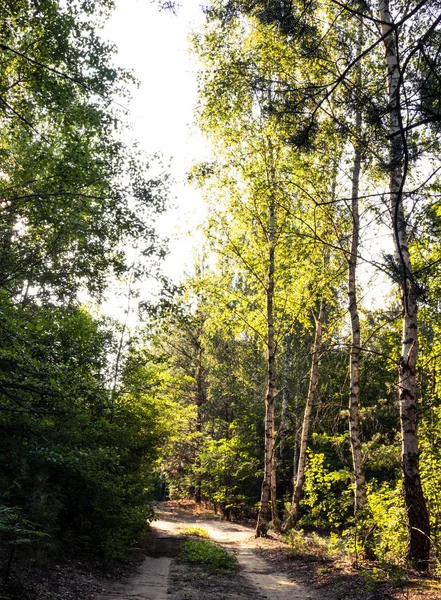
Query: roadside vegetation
{"x": 208, "y": 554}
{"x": 293, "y": 377}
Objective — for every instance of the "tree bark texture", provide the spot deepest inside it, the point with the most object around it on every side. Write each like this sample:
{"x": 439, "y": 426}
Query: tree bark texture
{"x": 268, "y": 491}
{"x": 418, "y": 547}
{"x": 360, "y": 497}
{"x": 200, "y": 401}
{"x": 285, "y": 395}
{"x": 294, "y": 513}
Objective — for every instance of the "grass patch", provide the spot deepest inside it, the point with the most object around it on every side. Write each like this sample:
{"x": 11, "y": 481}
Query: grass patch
{"x": 207, "y": 554}
{"x": 195, "y": 532}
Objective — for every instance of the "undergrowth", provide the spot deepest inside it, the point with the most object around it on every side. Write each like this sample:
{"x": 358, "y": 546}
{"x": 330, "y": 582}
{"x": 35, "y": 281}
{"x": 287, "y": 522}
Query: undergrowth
{"x": 207, "y": 554}
{"x": 196, "y": 532}
{"x": 316, "y": 545}
{"x": 375, "y": 576}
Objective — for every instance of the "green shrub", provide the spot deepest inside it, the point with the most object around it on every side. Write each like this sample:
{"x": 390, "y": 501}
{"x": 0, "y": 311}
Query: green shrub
{"x": 75, "y": 459}
{"x": 207, "y": 554}
{"x": 327, "y": 501}
{"x": 228, "y": 472}
{"x": 324, "y": 547}
{"x": 430, "y": 469}
{"x": 196, "y": 532}
{"x": 389, "y": 523}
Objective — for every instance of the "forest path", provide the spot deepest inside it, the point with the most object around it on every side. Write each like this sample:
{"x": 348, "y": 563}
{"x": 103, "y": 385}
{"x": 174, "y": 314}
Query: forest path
{"x": 149, "y": 583}
{"x": 239, "y": 540}
{"x": 160, "y": 577}
{"x": 266, "y": 571}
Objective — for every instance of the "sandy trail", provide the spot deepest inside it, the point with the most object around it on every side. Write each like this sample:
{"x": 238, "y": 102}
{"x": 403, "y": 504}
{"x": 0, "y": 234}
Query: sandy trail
{"x": 151, "y": 580}
{"x": 241, "y": 541}
{"x": 150, "y": 583}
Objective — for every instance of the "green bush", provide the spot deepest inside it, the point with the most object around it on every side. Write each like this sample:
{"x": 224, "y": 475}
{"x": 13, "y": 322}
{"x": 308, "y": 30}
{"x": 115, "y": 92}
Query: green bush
{"x": 195, "y": 531}
{"x": 74, "y": 458}
{"x": 430, "y": 469}
{"x": 323, "y": 547}
{"x": 228, "y": 472}
{"x": 327, "y": 502}
{"x": 388, "y": 521}
{"x": 207, "y": 554}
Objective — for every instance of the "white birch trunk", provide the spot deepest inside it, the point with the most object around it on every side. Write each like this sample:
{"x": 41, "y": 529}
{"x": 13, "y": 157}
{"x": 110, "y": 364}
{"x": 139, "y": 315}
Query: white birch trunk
{"x": 200, "y": 400}
{"x": 268, "y": 491}
{"x": 418, "y": 548}
{"x": 360, "y": 498}
{"x": 284, "y": 415}
{"x": 294, "y": 513}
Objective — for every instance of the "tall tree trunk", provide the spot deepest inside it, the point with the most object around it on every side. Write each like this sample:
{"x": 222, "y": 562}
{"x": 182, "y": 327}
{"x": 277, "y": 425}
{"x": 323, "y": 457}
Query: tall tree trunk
{"x": 200, "y": 401}
{"x": 119, "y": 353}
{"x": 268, "y": 491}
{"x": 297, "y": 393}
{"x": 418, "y": 547}
{"x": 360, "y": 500}
{"x": 294, "y": 513}
{"x": 285, "y": 395}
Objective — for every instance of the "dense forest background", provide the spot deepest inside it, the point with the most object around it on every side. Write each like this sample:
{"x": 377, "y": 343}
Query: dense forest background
{"x": 268, "y": 383}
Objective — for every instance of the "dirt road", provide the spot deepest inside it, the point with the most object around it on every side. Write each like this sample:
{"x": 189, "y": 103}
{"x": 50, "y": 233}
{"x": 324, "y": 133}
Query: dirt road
{"x": 161, "y": 577}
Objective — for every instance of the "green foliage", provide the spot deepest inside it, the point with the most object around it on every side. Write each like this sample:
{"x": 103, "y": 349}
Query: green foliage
{"x": 388, "y": 525}
{"x": 327, "y": 501}
{"x": 75, "y": 461}
{"x": 72, "y": 192}
{"x": 207, "y": 375}
{"x": 393, "y": 575}
{"x": 229, "y": 471}
{"x": 207, "y": 554}
{"x": 430, "y": 473}
{"x": 17, "y": 530}
{"x": 382, "y": 457}
{"x": 196, "y": 532}
{"x": 322, "y": 547}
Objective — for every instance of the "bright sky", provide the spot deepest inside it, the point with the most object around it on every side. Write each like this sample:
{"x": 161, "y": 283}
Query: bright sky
{"x": 154, "y": 45}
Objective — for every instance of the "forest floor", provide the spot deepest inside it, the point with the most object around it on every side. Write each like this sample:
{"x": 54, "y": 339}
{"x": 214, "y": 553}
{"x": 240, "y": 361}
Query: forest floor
{"x": 267, "y": 568}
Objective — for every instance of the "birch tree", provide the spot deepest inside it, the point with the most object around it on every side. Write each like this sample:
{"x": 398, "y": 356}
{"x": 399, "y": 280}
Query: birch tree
{"x": 299, "y": 481}
{"x": 266, "y": 209}
{"x": 360, "y": 499}
{"x": 419, "y": 528}
{"x": 398, "y": 114}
